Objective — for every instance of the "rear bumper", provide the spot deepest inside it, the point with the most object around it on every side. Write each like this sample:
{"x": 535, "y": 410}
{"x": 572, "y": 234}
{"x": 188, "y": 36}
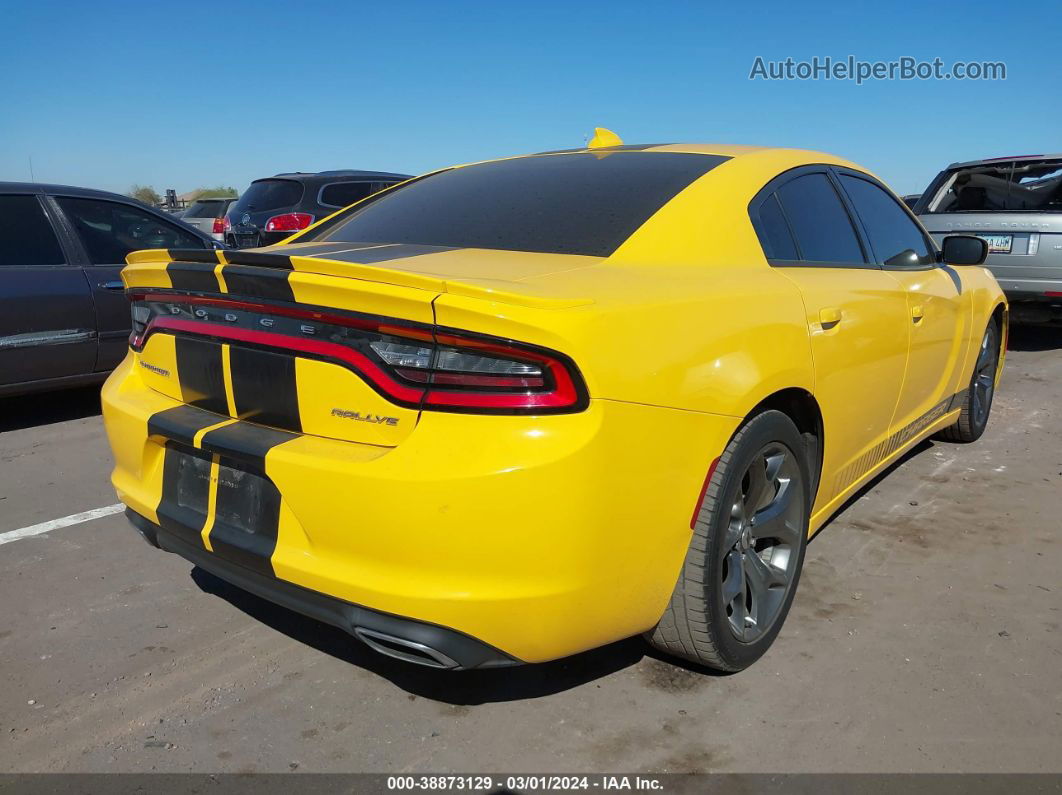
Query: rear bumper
{"x": 1029, "y": 289}
{"x": 422, "y": 643}
{"x": 538, "y": 536}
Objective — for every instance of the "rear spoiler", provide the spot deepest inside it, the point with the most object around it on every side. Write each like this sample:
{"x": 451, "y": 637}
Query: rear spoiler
{"x": 482, "y": 289}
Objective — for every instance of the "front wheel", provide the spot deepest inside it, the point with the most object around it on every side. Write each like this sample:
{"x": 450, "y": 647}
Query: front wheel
{"x": 977, "y": 400}
{"x": 743, "y": 563}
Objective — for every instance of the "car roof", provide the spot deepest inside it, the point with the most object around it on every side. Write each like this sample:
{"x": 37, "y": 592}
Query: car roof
{"x": 68, "y": 190}
{"x": 342, "y": 172}
{"x": 1007, "y": 159}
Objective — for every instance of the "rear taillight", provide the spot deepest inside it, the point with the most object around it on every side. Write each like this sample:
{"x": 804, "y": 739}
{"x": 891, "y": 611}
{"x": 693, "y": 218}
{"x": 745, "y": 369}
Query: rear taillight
{"x": 414, "y": 366}
{"x": 220, "y": 225}
{"x": 288, "y": 222}
{"x": 227, "y": 224}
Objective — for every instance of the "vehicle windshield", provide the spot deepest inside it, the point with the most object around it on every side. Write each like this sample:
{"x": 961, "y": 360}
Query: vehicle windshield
{"x": 1030, "y": 186}
{"x": 205, "y": 208}
{"x": 581, "y": 203}
{"x": 269, "y": 194}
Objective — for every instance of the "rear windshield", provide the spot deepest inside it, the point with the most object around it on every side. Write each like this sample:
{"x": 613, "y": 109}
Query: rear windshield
{"x": 205, "y": 208}
{"x": 1033, "y": 186}
{"x": 269, "y": 194}
{"x": 558, "y": 204}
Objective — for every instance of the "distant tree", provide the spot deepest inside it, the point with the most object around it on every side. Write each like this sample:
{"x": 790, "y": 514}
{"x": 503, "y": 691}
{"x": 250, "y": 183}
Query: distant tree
{"x": 146, "y": 194}
{"x": 217, "y": 192}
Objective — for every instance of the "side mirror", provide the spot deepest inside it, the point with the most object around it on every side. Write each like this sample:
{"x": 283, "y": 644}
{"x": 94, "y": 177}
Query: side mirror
{"x": 963, "y": 250}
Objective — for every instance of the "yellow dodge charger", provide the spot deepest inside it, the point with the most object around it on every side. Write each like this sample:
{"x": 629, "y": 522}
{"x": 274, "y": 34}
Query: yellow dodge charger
{"x": 517, "y": 409}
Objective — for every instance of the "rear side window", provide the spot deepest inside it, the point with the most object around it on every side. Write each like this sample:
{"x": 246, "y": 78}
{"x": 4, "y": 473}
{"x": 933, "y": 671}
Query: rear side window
{"x": 821, "y": 227}
{"x": 110, "y": 230}
{"x": 269, "y": 194}
{"x": 340, "y": 194}
{"x": 775, "y": 237}
{"x": 1015, "y": 186}
{"x": 896, "y": 239}
{"x": 26, "y": 236}
{"x": 585, "y": 203}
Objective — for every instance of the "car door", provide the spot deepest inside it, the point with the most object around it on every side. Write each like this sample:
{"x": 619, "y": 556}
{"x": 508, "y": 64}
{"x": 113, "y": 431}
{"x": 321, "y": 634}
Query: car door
{"x": 937, "y": 311}
{"x": 856, "y": 314}
{"x": 47, "y": 323}
{"x": 107, "y": 231}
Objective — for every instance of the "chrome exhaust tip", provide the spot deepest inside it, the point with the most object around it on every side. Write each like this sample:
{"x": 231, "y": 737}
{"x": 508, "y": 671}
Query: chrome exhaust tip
{"x": 402, "y": 649}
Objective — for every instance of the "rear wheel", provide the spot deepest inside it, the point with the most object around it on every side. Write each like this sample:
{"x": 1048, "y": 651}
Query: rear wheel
{"x": 743, "y": 564}
{"x": 977, "y": 402}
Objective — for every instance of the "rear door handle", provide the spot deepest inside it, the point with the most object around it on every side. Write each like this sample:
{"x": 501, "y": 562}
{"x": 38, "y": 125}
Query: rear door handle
{"x": 116, "y": 285}
{"x": 917, "y": 313}
{"x": 829, "y": 317}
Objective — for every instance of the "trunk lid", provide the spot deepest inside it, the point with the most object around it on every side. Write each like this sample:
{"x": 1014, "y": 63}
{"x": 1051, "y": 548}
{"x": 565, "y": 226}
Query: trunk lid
{"x": 278, "y": 336}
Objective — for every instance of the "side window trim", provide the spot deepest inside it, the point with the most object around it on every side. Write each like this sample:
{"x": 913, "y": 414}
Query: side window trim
{"x": 931, "y": 245}
{"x": 768, "y": 191}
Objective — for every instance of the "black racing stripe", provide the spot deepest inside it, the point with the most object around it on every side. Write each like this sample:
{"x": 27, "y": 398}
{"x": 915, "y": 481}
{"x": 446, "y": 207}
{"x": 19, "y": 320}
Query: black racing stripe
{"x": 201, "y": 374}
{"x": 244, "y": 441}
{"x": 254, "y": 282}
{"x": 386, "y": 253}
{"x": 246, "y": 517}
{"x": 181, "y": 423}
{"x": 182, "y": 510}
{"x": 194, "y": 277}
{"x": 262, "y": 260}
{"x": 193, "y": 255}
{"x": 264, "y": 387}
{"x": 247, "y": 510}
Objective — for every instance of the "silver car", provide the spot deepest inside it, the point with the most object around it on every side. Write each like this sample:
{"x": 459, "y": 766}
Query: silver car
{"x": 208, "y": 215}
{"x": 1015, "y": 205}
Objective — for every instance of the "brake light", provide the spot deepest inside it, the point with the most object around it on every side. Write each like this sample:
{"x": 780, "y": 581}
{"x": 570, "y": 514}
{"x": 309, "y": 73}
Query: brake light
{"x": 220, "y": 225}
{"x": 288, "y": 222}
{"x": 421, "y": 367}
{"x": 227, "y": 224}
{"x": 1052, "y": 294}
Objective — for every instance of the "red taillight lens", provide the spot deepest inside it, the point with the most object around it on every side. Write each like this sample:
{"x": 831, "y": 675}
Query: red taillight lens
{"x": 417, "y": 367}
{"x": 219, "y": 226}
{"x": 288, "y": 222}
{"x": 226, "y": 224}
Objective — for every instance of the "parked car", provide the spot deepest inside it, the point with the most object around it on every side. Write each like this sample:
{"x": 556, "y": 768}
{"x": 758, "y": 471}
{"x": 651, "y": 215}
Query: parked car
{"x": 64, "y": 317}
{"x": 1015, "y": 205}
{"x": 274, "y": 208}
{"x": 562, "y": 399}
{"x": 208, "y": 215}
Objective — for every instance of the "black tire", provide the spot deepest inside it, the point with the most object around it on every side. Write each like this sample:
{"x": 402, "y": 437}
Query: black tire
{"x": 699, "y": 625}
{"x": 977, "y": 401}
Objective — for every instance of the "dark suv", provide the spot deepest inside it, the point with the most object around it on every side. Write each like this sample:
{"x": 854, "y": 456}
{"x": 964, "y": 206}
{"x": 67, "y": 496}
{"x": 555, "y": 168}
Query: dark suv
{"x": 64, "y": 317}
{"x": 274, "y": 208}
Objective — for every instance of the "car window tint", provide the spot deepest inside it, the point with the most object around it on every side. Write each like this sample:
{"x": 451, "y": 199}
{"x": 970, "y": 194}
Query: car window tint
{"x": 340, "y": 194}
{"x": 268, "y": 194}
{"x": 896, "y": 239}
{"x": 110, "y": 230}
{"x": 586, "y": 203}
{"x": 26, "y": 236}
{"x": 775, "y": 237}
{"x": 819, "y": 220}
{"x": 213, "y": 208}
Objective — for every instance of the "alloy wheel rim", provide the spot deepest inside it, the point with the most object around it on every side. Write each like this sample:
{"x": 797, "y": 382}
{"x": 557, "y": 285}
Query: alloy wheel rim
{"x": 762, "y": 542}
{"x": 984, "y": 380}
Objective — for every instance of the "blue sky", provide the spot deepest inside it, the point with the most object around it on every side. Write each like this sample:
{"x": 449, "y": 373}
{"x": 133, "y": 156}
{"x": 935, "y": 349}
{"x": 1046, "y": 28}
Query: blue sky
{"x": 257, "y": 88}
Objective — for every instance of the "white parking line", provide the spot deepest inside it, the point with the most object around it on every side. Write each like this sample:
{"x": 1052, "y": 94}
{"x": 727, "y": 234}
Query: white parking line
{"x": 56, "y": 524}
